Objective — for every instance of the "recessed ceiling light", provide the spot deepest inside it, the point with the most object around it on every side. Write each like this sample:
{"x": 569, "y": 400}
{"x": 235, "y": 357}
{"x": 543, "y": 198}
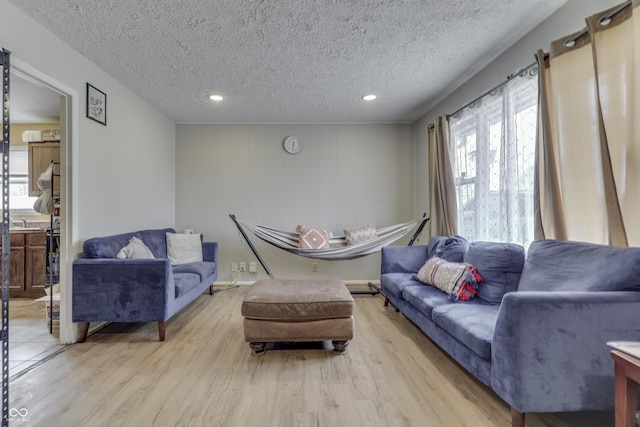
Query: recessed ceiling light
{"x": 216, "y": 98}
{"x": 369, "y": 97}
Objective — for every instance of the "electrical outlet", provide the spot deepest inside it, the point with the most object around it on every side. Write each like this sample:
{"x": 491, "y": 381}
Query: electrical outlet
{"x": 253, "y": 267}
{"x": 234, "y": 267}
{"x": 314, "y": 267}
{"x": 243, "y": 266}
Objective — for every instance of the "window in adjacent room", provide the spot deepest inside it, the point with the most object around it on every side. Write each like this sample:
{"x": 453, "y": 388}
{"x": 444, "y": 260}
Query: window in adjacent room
{"x": 493, "y": 150}
{"x": 19, "y": 200}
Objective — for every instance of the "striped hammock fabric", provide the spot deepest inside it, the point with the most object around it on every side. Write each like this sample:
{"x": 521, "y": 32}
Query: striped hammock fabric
{"x": 338, "y": 248}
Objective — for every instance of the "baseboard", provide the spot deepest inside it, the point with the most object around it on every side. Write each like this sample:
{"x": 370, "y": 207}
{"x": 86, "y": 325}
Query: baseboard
{"x": 362, "y": 282}
{"x": 236, "y": 283}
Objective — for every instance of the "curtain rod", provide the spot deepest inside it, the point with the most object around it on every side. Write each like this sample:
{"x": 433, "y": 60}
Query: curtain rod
{"x": 570, "y": 42}
{"x": 509, "y": 77}
{"x": 574, "y": 39}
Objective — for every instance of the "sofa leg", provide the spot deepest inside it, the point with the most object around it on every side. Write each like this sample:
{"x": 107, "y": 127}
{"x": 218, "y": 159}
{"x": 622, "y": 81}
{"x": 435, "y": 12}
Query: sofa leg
{"x": 386, "y": 301}
{"x": 84, "y": 329}
{"x": 517, "y": 418}
{"x": 210, "y": 289}
{"x": 161, "y": 330}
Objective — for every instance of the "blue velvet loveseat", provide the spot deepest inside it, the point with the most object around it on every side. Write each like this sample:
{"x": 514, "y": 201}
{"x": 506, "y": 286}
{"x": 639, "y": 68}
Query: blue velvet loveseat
{"x": 536, "y": 331}
{"x": 114, "y": 283}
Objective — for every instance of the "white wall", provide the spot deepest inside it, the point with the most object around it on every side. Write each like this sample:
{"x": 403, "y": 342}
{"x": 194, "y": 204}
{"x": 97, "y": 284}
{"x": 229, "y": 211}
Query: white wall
{"x": 117, "y": 178}
{"x": 347, "y": 175}
{"x": 568, "y": 19}
{"x": 125, "y": 171}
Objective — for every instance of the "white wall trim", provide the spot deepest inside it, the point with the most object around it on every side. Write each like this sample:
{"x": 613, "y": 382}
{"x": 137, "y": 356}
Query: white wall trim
{"x": 361, "y": 282}
{"x": 68, "y": 204}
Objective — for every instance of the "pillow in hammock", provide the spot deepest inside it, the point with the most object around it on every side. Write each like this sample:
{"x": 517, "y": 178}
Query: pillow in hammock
{"x": 313, "y": 238}
{"x": 360, "y": 234}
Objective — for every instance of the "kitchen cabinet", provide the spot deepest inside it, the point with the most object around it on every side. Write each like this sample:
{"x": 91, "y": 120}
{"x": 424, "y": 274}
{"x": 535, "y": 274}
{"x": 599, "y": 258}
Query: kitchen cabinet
{"x": 41, "y": 154}
{"x": 16, "y": 263}
{"x": 35, "y": 263}
{"x": 27, "y": 264}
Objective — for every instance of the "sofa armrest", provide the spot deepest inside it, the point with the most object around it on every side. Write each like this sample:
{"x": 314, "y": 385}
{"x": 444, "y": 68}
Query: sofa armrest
{"x": 210, "y": 251}
{"x": 403, "y": 259}
{"x": 549, "y": 351}
{"x": 121, "y": 290}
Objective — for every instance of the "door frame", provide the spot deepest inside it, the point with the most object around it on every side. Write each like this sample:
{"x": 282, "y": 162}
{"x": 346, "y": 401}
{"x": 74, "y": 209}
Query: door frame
{"x": 69, "y": 114}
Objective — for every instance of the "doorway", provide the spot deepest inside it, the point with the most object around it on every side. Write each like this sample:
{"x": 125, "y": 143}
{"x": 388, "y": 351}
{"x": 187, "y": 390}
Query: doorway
{"x": 35, "y": 127}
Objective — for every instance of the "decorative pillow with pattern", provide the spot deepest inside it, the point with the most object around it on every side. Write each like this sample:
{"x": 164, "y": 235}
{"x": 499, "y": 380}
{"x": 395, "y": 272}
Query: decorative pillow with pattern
{"x": 457, "y": 279}
{"x": 360, "y": 234}
{"x": 184, "y": 248}
{"x": 135, "y": 249}
{"x": 313, "y": 238}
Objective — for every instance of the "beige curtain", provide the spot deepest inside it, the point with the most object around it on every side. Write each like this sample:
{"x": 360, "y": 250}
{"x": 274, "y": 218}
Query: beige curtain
{"x": 442, "y": 191}
{"x": 588, "y": 165}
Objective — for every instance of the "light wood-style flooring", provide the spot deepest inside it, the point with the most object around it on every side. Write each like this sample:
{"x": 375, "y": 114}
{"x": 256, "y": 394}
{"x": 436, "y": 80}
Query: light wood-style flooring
{"x": 204, "y": 375}
{"x": 30, "y": 342}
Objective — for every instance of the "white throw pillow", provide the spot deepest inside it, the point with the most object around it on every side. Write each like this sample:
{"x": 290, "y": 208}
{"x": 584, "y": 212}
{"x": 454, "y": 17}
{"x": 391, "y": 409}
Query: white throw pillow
{"x": 184, "y": 248}
{"x": 135, "y": 249}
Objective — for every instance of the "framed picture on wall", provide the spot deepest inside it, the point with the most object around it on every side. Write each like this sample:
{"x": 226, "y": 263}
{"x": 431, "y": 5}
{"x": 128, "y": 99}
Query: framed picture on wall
{"x": 96, "y": 105}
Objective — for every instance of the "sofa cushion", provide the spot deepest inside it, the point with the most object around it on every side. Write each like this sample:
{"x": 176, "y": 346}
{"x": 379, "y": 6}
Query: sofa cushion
{"x": 105, "y": 247}
{"x": 456, "y": 279}
{"x": 156, "y": 241}
{"x": 185, "y": 282}
{"x": 202, "y": 269}
{"x": 109, "y": 246}
{"x": 433, "y": 243}
{"x": 450, "y": 248}
{"x": 425, "y": 298}
{"x": 554, "y": 265}
{"x": 184, "y": 248}
{"x": 395, "y": 283}
{"x": 471, "y": 323}
{"x": 499, "y": 264}
{"x": 403, "y": 259}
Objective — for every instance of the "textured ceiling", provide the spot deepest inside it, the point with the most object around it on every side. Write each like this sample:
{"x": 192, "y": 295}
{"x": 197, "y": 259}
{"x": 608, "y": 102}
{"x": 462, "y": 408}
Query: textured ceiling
{"x": 290, "y": 60}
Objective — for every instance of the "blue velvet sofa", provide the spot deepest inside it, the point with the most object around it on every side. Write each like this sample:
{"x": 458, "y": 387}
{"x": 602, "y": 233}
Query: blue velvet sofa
{"x": 537, "y": 329}
{"x": 109, "y": 289}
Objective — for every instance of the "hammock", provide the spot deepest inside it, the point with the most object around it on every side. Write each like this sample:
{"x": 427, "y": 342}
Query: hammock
{"x": 338, "y": 250}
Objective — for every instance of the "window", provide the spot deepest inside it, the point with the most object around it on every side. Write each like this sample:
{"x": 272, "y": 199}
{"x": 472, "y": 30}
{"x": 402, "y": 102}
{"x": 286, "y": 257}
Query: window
{"x": 19, "y": 199}
{"x": 493, "y": 149}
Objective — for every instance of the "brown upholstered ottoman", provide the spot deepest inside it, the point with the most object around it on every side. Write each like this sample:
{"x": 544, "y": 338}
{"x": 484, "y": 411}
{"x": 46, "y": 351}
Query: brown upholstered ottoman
{"x": 298, "y": 310}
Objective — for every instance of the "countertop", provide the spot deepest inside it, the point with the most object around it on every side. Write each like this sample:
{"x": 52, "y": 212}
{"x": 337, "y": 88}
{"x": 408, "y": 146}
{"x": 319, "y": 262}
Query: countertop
{"x": 14, "y": 230}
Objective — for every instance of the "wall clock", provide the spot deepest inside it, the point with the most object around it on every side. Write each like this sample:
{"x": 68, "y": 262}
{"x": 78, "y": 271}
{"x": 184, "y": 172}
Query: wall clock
{"x": 292, "y": 145}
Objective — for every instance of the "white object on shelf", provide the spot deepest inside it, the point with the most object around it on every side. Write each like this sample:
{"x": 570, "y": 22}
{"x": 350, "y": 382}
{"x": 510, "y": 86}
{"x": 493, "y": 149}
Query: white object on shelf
{"x": 31, "y": 136}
